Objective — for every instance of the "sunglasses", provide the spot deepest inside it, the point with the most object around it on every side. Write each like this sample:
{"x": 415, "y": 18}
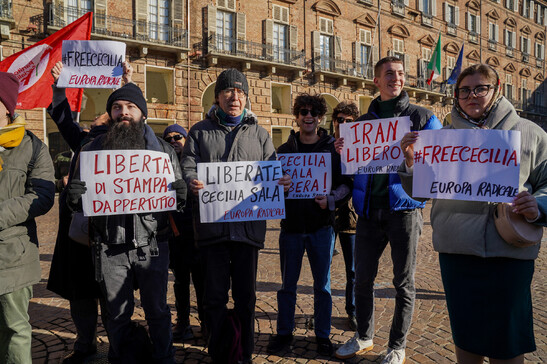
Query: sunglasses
{"x": 341, "y": 120}
{"x": 304, "y": 112}
{"x": 176, "y": 137}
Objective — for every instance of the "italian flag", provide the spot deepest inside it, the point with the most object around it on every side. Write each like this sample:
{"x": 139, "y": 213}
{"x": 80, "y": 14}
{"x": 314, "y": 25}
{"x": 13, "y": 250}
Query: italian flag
{"x": 434, "y": 65}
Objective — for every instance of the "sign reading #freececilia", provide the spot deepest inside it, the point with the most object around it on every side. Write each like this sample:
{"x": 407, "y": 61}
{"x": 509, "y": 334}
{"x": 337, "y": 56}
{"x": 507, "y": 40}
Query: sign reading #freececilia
{"x": 372, "y": 146}
{"x": 92, "y": 64}
{"x": 470, "y": 164}
{"x": 127, "y": 182}
{"x": 310, "y": 174}
{"x": 240, "y": 191}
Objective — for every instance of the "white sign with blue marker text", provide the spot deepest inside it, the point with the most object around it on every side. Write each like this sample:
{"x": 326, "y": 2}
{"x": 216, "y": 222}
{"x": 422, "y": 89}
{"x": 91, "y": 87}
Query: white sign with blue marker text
{"x": 241, "y": 191}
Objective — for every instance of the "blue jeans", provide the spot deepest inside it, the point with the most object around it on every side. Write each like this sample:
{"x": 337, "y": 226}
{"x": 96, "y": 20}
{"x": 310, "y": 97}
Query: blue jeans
{"x": 402, "y": 229}
{"x": 319, "y": 246}
{"x": 347, "y": 242}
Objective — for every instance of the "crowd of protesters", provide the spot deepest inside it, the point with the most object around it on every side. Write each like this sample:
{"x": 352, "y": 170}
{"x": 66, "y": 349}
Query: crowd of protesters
{"x": 487, "y": 281}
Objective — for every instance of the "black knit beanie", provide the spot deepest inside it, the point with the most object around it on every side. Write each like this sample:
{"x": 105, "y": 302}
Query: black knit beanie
{"x": 231, "y": 78}
{"x": 129, "y": 92}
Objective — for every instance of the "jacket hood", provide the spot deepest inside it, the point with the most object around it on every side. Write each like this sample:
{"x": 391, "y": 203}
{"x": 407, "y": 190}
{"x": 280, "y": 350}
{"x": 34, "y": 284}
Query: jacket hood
{"x": 402, "y": 103}
{"x": 503, "y": 116}
{"x": 324, "y": 138}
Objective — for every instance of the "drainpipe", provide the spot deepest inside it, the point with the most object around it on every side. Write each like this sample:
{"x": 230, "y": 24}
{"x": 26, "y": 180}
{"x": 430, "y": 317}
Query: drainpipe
{"x": 188, "y": 64}
{"x": 379, "y": 37}
{"x": 480, "y": 32}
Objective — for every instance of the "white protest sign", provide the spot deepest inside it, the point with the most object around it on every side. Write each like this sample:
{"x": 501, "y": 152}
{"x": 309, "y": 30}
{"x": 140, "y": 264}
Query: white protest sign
{"x": 372, "y": 146}
{"x": 240, "y": 191}
{"x": 126, "y": 182}
{"x": 310, "y": 174}
{"x": 92, "y": 64}
{"x": 470, "y": 164}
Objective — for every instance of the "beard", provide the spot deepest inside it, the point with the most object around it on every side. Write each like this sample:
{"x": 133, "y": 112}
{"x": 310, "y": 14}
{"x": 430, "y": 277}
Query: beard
{"x": 125, "y": 136}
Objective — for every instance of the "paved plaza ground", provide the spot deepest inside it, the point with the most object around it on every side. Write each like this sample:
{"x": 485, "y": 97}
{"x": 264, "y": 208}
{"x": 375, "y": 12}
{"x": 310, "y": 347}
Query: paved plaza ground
{"x": 429, "y": 340}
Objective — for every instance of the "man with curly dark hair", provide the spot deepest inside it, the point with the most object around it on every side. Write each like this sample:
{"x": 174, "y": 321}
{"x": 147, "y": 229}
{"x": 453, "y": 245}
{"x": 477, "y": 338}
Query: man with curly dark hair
{"x": 308, "y": 227}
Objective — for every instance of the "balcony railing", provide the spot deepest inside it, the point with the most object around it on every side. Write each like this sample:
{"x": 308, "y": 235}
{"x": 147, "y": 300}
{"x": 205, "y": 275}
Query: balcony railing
{"x": 451, "y": 29}
{"x": 5, "y": 9}
{"x": 421, "y": 83}
{"x": 473, "y": 37}
{"x": 398, "y": 7}
{"x": 509, "y": 51}
{"x": 492, "y": 44}
{"x": 106, "y": 25}
{"x": 539, "y": 63}
{"x": 341, "y": 67}
{"x": 525, "y": 57}
{"x": 217, "y": 44}
{"x": 427, "y": 20}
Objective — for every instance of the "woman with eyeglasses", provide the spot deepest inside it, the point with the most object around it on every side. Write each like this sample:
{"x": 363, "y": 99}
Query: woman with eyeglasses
{"x": 486, "y": 280}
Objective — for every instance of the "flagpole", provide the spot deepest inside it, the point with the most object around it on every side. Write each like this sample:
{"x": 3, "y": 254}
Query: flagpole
{"x": 369, "y": 60}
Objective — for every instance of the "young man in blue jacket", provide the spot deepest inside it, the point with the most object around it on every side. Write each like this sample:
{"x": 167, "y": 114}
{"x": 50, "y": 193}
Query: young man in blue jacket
{"x": 386, "y": 214}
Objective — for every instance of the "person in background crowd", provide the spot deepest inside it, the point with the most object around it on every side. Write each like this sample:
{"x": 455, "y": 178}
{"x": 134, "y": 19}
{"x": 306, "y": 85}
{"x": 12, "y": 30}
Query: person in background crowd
{"x": 183, "y": 253}
{"x": 486, "y": 280}
{"x": 308, "y": 227}
{"x": 346, "y": 218}
{"x": 386, "y": 214}
{"x": 131, "y": 250}
{"x": 229, "y": 251}
{"x": 71, "y": 275}
{"x": 27, "y": 190}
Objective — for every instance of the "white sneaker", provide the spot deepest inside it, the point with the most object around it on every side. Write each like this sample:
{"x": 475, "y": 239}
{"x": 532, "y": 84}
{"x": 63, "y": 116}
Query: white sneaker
{"x": 354, "y": 346}
{"x": 394, "y": 356}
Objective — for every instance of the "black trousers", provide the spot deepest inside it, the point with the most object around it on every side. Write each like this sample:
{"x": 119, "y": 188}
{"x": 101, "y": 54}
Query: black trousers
{"x": 224, "y": 263}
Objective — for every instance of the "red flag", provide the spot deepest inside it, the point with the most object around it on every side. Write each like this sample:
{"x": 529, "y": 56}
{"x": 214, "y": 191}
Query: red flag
{"x": 32, "y": 65}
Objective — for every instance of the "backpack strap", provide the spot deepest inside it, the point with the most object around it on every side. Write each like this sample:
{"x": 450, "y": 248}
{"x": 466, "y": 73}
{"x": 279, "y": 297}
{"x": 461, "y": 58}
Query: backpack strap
{"x": 36, "y": 146}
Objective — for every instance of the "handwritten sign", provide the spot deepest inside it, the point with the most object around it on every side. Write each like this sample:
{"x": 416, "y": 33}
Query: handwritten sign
{"x": 372, "y": 146}
{"x": 475, "y": 165}
{"x": 240, "y": 191}
{"x": 92, "y": 64}
{"x": 310, "y": 174}
{"x": 126, "y": 182}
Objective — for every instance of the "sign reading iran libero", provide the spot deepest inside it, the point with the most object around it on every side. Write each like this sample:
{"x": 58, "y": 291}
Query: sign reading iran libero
{"x": 126, "y": 182}
{"x": 240, "y": 191}
{"x": 310, "y": 174}
{"x": 471, "y": 164}
{"x": 372, "y": 146}
{"x": 92, "y": 64}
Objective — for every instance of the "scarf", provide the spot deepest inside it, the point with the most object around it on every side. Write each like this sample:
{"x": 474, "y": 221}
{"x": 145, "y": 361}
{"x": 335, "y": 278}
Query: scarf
{"x": 228, "y": 120}
{"x": 11, "y": 135}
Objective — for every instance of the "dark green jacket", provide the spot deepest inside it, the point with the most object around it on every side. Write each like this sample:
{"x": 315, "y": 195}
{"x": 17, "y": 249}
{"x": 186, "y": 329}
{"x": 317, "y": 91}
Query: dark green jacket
{"x": 24, "y": 194}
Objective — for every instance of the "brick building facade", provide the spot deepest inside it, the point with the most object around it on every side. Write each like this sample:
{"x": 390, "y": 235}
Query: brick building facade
{"x": 286, "y": 47}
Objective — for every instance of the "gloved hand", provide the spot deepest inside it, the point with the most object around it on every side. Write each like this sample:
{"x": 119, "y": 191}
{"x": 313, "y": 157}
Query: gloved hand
{"x": 74, "y": 193}
{"x": 181, "y": 190}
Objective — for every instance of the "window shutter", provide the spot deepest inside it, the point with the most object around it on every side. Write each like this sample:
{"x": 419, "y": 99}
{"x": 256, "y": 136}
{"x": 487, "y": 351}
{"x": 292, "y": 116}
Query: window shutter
{"x": 221, "y": 3}
{"x": 434, "y": 7}
{"x": 268, "y": 31}
{"x": 531, "y": 15}
{"x": 316, "y": 43}
{"x": 445, "y": 11}
{"x": 60, "y": 9}
{"x": 277, "y": 12}
{"x": 178, "y": 15}
{"x": 285, "y": 14}
{"x": 497, "y": 33}
{"x": 99, "y": 15}
{"x": 468, "y": 20}
{"x": 542, "y": 52}
{"x": 545, "y": 16}
{"x": 514, "y": 36}
{"x": 505, "y": 36}
{"x": 293, "y": 37}
{"x": 457, "y": 15}
{"x": 478, "y": 24}
{"x": 420, "y": 5}
{"x": 516, "y": 5}
{"x": 240, "y": 30}
{"x": 529, "y": 41}
{"x": 375, "y": 56}
{"x": 538, "y": 12}
{"x": 211, "y": 20}
{"x": 406, "y": 2}
{"x": 406, "y": 62}
{"x": 231, "y": 4}
{"x": 356, "y": 49}
{"x": 390, "y": 53}
{"x": 268, "y": 36}
{"x": 536, "y": 50}
{"x": 142, "y": 17}
{"x": 337, "y": 48}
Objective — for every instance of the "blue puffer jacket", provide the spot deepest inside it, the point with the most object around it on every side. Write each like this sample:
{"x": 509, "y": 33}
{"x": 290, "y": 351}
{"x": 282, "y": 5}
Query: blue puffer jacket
{"x": 422, "y": 119}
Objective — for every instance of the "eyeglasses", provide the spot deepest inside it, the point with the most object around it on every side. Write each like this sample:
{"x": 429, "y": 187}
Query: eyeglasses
{"x": 341, "y": 120}
{"x": 305, "y": 112}
{"x": 229, "y": 92}
{"x": 479, "y": 91}
{"x": 176, "y": 137}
